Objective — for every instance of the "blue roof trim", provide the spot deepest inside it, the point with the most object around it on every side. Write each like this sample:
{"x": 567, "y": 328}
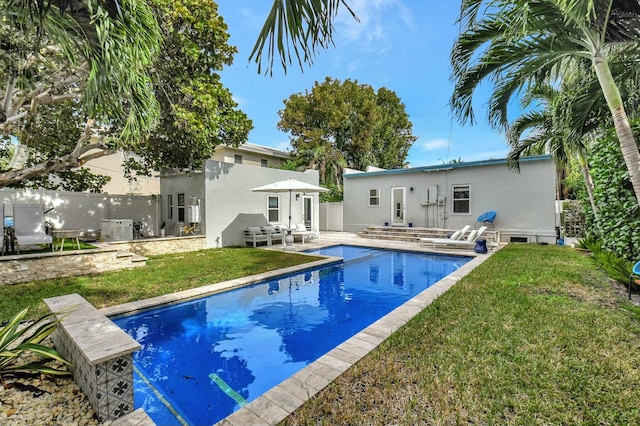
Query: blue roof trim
{"x": 444, "y": 167}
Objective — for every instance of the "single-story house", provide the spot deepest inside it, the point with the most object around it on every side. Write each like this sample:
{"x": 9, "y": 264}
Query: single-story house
{"x": 220, "y": 200}
{"x": 450, "y": 196}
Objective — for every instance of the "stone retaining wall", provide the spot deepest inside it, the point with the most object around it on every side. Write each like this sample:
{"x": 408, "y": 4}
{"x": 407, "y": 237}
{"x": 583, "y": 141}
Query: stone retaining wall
{"x": 153, "y": 246}
{"x": 111, "y": 257}
{"x": 41, "y": 266}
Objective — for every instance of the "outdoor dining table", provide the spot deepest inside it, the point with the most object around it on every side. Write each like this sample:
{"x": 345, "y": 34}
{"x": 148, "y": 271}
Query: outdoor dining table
{"x": 60, "y": 235}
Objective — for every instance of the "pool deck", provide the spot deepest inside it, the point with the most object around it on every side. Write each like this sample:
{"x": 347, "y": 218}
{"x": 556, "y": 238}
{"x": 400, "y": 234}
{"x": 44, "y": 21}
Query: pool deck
{"x": 280, "y": 401}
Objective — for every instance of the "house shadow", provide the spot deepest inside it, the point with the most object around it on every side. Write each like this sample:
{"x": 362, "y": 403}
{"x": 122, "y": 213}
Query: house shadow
{"x": 233, "y": 234}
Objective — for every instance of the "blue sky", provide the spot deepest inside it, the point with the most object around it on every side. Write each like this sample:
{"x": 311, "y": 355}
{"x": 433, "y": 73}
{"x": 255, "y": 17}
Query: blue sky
{"x": 403, "y": 45}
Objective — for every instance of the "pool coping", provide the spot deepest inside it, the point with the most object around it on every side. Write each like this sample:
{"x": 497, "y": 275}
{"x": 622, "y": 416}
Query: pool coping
{"x": 283, "y": 399}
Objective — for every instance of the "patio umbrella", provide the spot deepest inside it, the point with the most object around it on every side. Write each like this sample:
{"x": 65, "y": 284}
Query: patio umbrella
{"x": 289, "y": 185}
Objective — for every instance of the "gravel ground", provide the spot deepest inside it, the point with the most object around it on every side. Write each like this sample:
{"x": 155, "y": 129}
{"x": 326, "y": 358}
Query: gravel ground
{"x": 58, "y": 402}
{"x": 48, "y": 401}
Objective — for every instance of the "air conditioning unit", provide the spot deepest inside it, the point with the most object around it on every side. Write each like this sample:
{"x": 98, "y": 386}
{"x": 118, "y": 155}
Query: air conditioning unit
{"x": 116, "y": 229}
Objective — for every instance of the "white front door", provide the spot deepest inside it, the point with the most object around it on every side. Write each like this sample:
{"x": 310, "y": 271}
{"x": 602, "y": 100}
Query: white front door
{"x": 398, "y": 206}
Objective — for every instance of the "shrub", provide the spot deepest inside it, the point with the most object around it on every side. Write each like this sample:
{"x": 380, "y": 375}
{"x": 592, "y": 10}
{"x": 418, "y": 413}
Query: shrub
{"x": 618, "y": 218}
{"x": 16, "y": 340}
{"x": 614, "y": 266}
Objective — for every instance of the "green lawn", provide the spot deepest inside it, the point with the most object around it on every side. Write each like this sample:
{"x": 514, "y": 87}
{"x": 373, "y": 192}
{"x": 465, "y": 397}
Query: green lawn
{"x": 162, "y": 275}
{"x": 535, "y": 335}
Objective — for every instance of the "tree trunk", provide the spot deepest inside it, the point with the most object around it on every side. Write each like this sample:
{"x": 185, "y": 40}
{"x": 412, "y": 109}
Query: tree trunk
{"x": 621, "y": 122}
{"x": 588, "y": 182}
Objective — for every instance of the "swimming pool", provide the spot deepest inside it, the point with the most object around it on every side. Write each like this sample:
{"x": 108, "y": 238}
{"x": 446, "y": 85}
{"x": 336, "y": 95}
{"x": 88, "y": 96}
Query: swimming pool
{"x": 205, "y": 358}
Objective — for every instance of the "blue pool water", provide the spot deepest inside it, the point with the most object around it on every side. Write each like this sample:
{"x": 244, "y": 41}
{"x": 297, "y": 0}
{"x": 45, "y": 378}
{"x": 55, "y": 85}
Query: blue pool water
{"x": 203, "y": 359}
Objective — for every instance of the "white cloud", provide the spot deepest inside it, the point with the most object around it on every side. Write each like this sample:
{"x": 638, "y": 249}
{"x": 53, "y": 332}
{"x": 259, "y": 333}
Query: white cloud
{"x": 434, "y": 144}
{"x": 242, "y": 102}
{"x": 283, "y": 146}
{"x": 376, "y": 18}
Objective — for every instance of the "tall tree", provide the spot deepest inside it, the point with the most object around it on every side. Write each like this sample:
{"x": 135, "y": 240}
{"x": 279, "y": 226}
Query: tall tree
{"x": 197, "y": 111}
{"x": 514, "y": 43}
{"x": 557, "y": 128}
{"x": 192, "y": 110}
{"x": 346, "y": 124}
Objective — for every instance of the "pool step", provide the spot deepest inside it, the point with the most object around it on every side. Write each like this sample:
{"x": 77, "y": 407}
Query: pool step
{"x": 413, "y": 235}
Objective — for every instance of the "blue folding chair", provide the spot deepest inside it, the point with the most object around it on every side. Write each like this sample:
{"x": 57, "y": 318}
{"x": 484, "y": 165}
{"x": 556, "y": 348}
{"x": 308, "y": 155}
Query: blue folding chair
{"x": 486, "y": 218}
{"x": 635, "y": 274}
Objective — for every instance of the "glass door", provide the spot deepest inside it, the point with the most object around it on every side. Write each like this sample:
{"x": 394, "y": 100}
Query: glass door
{"x": 398, "y": 206}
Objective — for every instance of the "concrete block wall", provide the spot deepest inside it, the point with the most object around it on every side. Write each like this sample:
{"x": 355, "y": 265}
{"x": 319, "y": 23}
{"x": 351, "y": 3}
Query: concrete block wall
{"x": 100, "y": 352}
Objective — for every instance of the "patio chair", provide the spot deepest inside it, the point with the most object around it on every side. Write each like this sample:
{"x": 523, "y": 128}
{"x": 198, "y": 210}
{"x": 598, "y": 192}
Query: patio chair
{"x": 274, "y": 232}
{"x": 486, "y": 218}
{"x": 254, "y": 235}
{"x": 459, "y": 234}
{"x": 299, "y": 230}
{"x": 468, "y": 243}
{"x": 29, "y": 227}
{"x": 634, "y": 278}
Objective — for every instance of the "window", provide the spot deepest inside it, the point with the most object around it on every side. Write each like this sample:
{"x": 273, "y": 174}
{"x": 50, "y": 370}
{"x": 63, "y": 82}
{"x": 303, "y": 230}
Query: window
{"x": 237, "y": 158}
{"x": 461, "y": 199}
{"x": 374, "y": 197}
{"x": 273, "y": 209}
{"x": 170, "y": 203}
{"x": 180, "y": 207}
{"x": 264, "y": 163}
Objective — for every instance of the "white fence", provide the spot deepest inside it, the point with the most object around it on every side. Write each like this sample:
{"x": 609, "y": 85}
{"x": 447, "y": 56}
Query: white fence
{"x": 81, "y": 210}
{"x": 331, "y": 216}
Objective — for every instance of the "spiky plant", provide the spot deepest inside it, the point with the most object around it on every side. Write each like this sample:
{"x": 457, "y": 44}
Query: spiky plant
{"x": 16, "y": 341}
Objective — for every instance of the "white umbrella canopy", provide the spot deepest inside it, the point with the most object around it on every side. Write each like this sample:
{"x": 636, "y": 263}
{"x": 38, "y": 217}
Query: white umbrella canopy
{"x": 289, "y": 185}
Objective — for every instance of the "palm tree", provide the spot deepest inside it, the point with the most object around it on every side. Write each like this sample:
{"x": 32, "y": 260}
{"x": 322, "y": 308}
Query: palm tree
{"x": 557, "y": 128}
{"x": 517, "y": 43}
{"x": 301, "y": 26}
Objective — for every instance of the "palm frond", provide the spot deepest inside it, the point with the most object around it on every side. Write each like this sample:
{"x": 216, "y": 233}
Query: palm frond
{"x": 297, "y": 28}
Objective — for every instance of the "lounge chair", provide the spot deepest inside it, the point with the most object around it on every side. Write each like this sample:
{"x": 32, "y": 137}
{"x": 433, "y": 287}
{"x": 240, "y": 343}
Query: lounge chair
{"x": 468, "y": 243}
{"x": 299, "y": 230}
{"x": 29, "y": 226}
{"x": 459, "y": 234}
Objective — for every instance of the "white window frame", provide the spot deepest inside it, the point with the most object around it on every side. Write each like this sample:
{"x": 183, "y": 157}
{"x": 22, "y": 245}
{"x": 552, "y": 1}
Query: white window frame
{"x": 272, "y": 209}
{"x": 371, "y": 197}
{"x": 460, "y": 188}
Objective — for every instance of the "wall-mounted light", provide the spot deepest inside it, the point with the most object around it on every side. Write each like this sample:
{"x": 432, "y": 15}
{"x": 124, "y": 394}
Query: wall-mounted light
{"x": 297, "y": 197}
{"x": 411, "y": 188}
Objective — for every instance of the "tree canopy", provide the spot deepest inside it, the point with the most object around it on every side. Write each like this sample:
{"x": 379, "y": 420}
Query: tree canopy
{"x": 83, "y": 79}
{"x": 346, "y": 124}
{"x": 517, "y": 43}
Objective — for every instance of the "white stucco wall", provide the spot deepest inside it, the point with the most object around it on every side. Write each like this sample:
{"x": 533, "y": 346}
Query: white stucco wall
{"x": 81, "y": 210}
{"x": 523, "y": 201}
{"x": 231, "y": 206}
{"x": 192, "y": 186}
